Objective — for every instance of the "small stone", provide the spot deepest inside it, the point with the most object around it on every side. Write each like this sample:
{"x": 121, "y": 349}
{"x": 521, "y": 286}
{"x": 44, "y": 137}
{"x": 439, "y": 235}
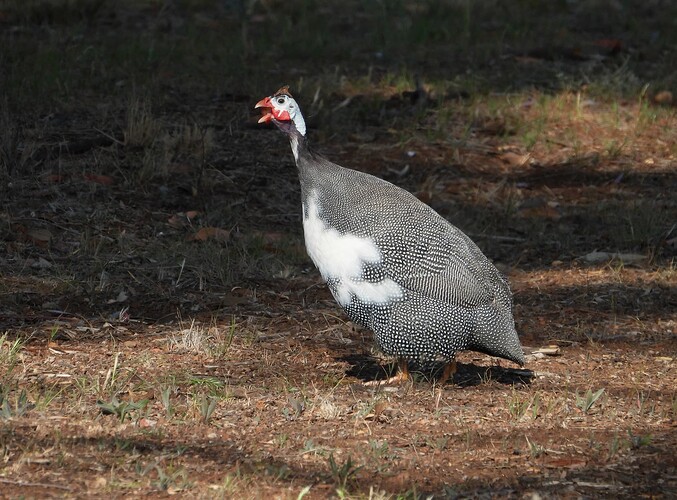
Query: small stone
{"x": 551, "y": 350}
{"x": 664, "y": 97}
{"x": 99, "y": 482}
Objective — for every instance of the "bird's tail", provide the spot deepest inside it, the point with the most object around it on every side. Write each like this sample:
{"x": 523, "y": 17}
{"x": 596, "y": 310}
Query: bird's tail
{"x": 495, "y": 334}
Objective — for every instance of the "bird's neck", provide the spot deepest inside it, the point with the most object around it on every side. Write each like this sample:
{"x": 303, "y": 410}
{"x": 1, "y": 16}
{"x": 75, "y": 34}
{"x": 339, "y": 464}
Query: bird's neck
{"x": 298, "y": 144}
{"x": 297, "y": 139}
{"x": 295, "y": 143}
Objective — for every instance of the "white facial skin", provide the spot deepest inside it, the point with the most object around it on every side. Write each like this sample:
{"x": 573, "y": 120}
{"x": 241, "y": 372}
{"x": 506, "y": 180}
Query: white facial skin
{"x": 285, "y": 109}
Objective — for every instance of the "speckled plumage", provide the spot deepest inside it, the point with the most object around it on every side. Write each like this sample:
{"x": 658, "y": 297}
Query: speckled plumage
{"x": 397, "y": 267}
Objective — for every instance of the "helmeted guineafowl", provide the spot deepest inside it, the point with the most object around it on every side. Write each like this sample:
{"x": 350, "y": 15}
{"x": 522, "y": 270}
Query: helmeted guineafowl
{"x": 396, "y": 266}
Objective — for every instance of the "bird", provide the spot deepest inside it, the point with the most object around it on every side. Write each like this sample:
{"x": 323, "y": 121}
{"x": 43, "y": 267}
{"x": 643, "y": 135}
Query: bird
{"x": 394, "y": 265}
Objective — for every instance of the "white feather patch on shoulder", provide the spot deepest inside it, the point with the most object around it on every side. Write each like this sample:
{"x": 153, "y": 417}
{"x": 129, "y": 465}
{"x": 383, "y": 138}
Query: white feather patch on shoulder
{"x": 341, "y": 258}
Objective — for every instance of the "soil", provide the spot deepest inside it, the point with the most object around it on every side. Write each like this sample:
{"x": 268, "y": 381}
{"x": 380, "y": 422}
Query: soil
{"x": 175, "y": 340}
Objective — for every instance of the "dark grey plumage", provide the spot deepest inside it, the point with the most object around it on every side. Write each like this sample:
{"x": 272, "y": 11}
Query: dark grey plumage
{"x": 397, "y": 267}
{"x": 454, "y": 297}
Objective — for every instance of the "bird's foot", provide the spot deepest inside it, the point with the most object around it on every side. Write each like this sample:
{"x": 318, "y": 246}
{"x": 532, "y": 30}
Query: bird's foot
{"x": 448, "y": 373}
{"x": 400, "y": 377}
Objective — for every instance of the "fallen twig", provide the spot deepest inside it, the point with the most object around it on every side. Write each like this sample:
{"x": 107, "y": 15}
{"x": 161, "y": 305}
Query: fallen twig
{"x": 36, "y": 485}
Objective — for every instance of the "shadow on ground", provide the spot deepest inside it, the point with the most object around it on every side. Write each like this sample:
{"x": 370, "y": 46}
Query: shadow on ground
{"x": 367, "y": 368}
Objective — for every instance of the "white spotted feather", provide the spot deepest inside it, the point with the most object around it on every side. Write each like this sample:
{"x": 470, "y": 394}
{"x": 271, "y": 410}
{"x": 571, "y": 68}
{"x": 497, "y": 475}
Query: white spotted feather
{"x": 341, "y": 258}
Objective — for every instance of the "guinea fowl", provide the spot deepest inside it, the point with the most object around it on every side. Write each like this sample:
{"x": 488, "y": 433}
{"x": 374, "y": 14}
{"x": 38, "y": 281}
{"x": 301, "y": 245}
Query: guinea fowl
{"x": 393, "y": 264}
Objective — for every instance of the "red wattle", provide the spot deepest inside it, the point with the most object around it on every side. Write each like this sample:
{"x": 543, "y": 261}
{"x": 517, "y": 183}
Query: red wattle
{"x": 282, "y": 116}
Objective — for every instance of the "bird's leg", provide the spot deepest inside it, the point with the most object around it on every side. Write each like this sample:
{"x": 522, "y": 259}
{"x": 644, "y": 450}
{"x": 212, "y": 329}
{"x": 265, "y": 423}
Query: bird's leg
{"x": 448, "y": 373}
{"x": 402, "y": 375}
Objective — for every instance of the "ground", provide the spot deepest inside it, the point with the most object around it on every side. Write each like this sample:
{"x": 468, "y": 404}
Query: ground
{"x": 162, "y": 331}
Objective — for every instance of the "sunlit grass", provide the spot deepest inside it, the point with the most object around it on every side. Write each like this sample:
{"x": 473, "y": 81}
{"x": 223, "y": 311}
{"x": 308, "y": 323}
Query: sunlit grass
{"x": 540, "y": 159}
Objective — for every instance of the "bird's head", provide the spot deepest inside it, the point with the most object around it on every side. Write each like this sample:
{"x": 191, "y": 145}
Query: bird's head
{"x": 281, "y": 109}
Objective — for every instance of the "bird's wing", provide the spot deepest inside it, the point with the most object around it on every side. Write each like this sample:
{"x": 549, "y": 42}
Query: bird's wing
{"x": 420, "y": 250}
{"x": 436, "y": 260}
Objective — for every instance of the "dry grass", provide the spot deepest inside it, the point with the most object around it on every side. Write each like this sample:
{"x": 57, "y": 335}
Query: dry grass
{"x": 162, "y": 331}
{"x": 283, "y": 426}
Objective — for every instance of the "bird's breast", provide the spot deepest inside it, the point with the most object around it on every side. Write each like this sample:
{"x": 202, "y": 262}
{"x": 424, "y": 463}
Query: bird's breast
{"x": 343, "y": 258}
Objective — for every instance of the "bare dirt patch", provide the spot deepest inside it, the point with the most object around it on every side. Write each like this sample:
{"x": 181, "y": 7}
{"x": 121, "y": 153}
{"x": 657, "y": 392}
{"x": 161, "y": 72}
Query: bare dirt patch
{"x": 163, "y": 332}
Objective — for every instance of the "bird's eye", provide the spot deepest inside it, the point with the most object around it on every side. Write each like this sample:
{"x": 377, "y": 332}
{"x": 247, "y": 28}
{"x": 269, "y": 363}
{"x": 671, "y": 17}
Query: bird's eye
{"x": 280, "y": 100}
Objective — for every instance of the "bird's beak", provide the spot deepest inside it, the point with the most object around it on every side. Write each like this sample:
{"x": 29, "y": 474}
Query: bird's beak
{"x": 266, "y": 109}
